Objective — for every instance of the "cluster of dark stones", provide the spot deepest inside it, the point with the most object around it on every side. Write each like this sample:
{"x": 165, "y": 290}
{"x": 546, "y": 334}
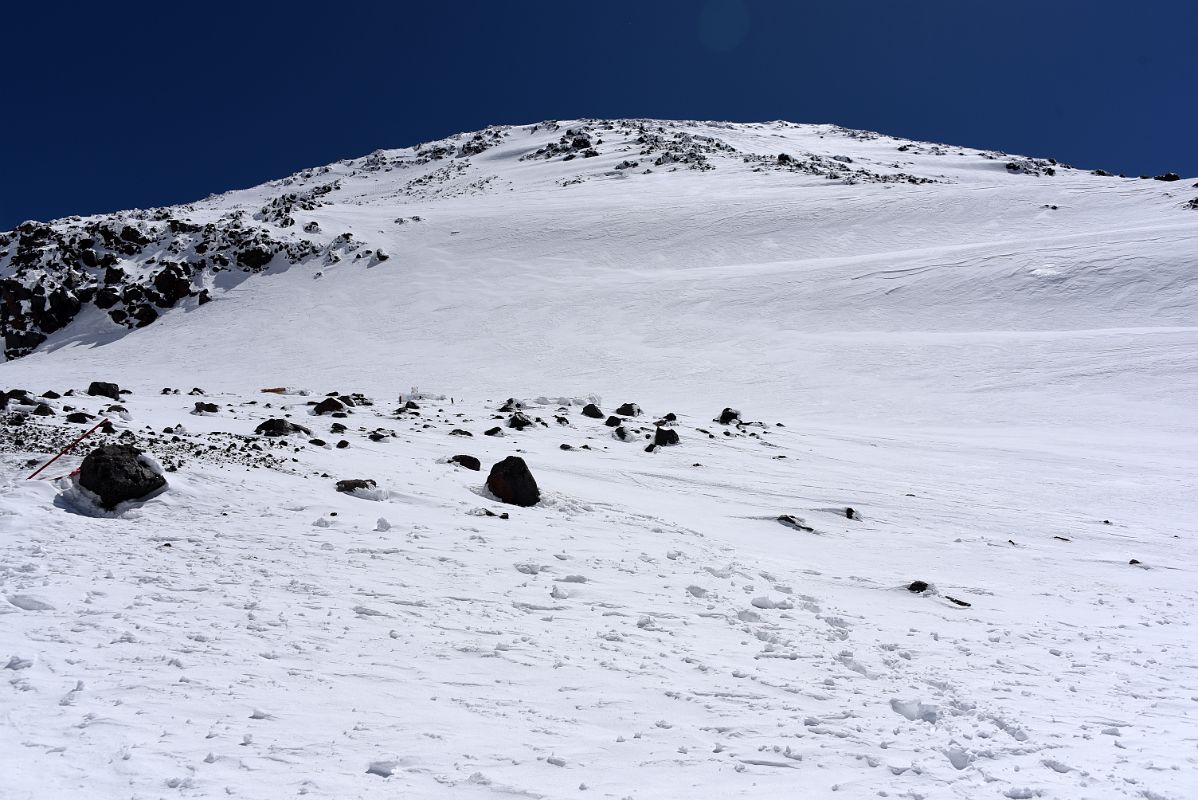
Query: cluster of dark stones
{"x": 280, "y": 210}
{"x": 574, "y": 143}
{"x": 832, "y": 168}
{"x": 1034, "y": 166}
{"x": 132, "y": 265}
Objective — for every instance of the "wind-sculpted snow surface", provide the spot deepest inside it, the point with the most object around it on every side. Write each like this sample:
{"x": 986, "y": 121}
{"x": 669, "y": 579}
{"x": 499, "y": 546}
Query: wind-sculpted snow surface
{"x": 649, "y": 629}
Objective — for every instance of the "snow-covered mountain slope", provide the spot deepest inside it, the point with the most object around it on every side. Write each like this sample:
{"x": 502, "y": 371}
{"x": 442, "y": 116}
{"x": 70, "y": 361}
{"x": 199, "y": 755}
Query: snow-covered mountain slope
{"x": 714, "y": 256}
{"x": 991, "y": 359}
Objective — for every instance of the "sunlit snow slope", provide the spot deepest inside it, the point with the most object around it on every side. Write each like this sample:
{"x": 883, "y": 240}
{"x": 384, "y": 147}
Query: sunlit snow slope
{"x": 985, "y": 355}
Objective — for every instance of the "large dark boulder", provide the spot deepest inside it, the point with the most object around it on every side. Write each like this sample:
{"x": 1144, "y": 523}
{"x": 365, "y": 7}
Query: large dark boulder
{"x": 591, "y": 410}
{"x": 512, "y": 482}
{"x": 329, "y": 405}
{"x": 629, "y": 410}
{"x": 728, "y": 416}
{"x": 102, "y": 389}
{"x": 116, "y": 473}
{"x": 469, "y": 462}
{"x": 280, "y": 427}
{"x": 664, "y": 437}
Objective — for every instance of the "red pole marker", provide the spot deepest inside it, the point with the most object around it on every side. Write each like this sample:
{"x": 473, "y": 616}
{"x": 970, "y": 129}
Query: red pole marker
{"x": 66, "y": 449}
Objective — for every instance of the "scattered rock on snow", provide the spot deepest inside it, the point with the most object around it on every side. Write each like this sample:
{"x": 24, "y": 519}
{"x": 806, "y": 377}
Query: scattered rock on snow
{"x": 329, "y": 405}
{"x": 591, "y": 410}
{"x": 280, "y": 427}
{"x": 102, "y": 389}
{"x": 629, "y": 410}
{"x": 469, "y": 462}
{"x": 728, "y": 416}
{"x": 917, "y": 587}
{"x": 519, "y": 421}
{"x": 512, "y": 482}
{"x": 117, "y": 473}
{"x": 792, "y": 521}
{"x": 664, "y": 437}
{"x": 354, "y": 484}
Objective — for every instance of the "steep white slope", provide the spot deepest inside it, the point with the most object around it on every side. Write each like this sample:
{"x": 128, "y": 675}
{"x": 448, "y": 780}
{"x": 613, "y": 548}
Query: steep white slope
{"x": 974, "y": 371}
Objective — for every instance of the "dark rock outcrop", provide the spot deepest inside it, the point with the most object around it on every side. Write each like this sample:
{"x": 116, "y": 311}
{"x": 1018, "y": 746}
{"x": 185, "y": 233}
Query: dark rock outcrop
{"x": 629, "y": 410}
{"x": 116, "y": 473}
{"x": 512, "y": 482}
{"x": 591, "y": 410}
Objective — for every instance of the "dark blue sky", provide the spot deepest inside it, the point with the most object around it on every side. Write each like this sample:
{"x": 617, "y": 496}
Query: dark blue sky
{"x": 119, "y": 104}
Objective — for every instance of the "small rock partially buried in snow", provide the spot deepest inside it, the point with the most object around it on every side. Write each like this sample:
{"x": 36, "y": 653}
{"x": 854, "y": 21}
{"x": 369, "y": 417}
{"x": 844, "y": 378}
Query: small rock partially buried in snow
{"x": 355, "y": 484}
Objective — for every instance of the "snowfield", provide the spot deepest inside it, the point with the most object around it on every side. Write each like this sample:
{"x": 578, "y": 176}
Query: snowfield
{"x": 996, "y": 370}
